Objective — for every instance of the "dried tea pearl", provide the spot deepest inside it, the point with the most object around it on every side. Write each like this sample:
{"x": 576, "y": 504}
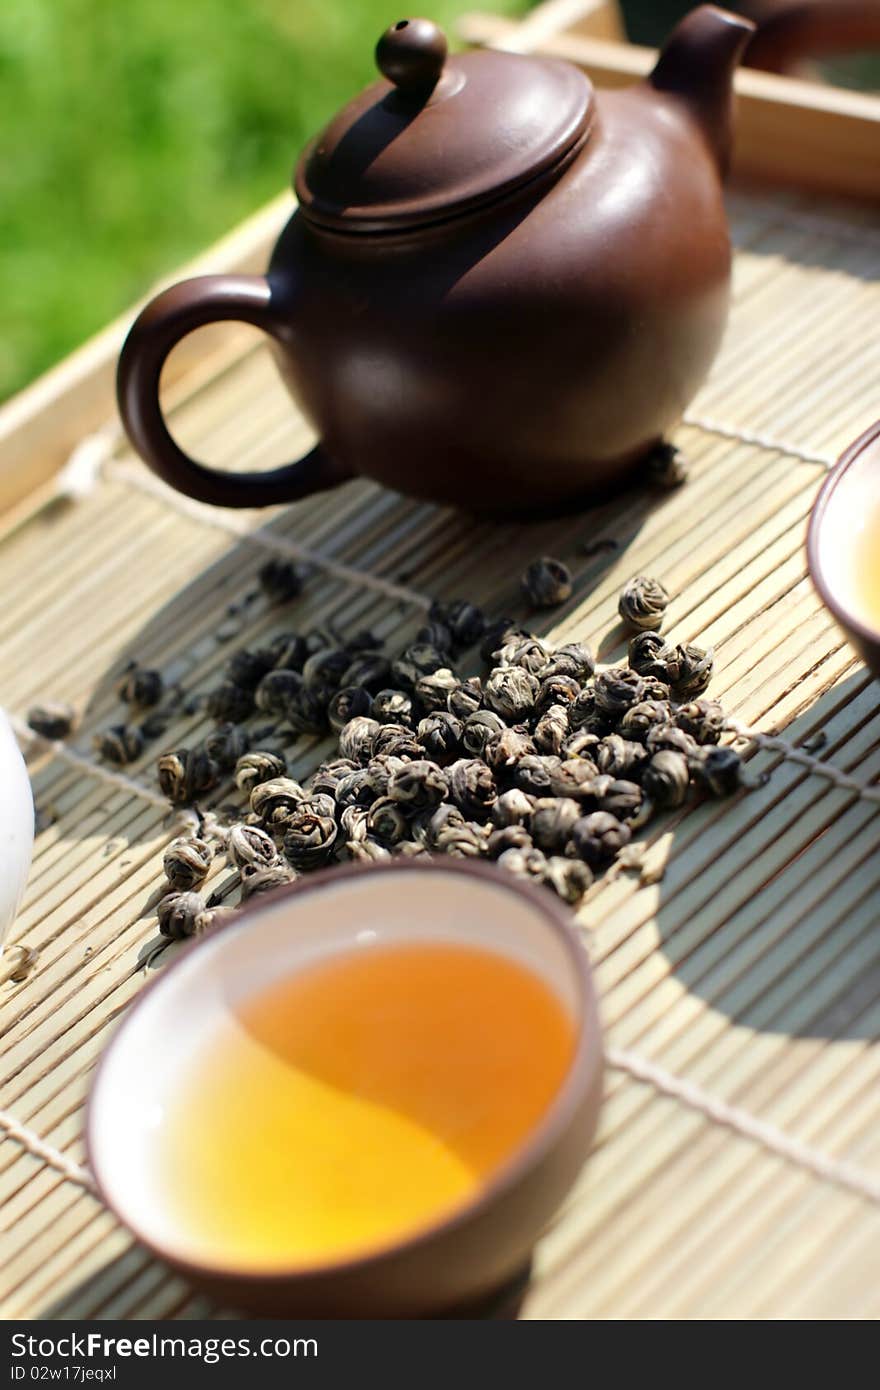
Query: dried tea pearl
{"x": 247, "y": 846}
{"x": 186, "y": 862}
{"x": 472, "y": 786}
{"x": 526, "y": 651}
{"x": 355, "y": 789}
{"x": 465, "y": 841}
{"x": 665, "y": 778}
{"x": 505, "y": 750}
{"x": 436, "y": 633}
{"x": 440, "y": 734}
{"x": 619, "y": 797}
{"x": 672, "y": 737}
{"x": 309, "y": 836}
{"x": 654, "y": 689}
{"x": 271, "y": 799}
{"x": 386, "y": 821}
{"x": 569, "y": 878}
{"x": 513, "y": 807}
{"x": 257, "y": 881}
{"x": 583, "y": 712}
{"x": 446, "y": 817}
{"x": 598, "y": 838}
{"x": 511, "y": 691}
{"x": 181, "y": 915}
{"x": 288, "y": 651}
{"x": 508, "y": 837}
{"x": 418, "y": 786}
{"x": 366, "y": 641}
{"x": 353, "y": 822}
{"x": 466, "y": 699}
{"x": 227, "y": 744}
{"x": 307, "y": 713}
{"x": 422, "y": 658}
{"x": 580, "y": 744}
{"x": 574, "y": 778}
{"x": 280, "y": 580}
{"x": 466, "y": 622}
{"x": 380, "y": 770}
{"x": 547, "y": 582}
{"x": 323, "y": 672}
{"x": 640, "y": 719}
{"x": 434, "y": 690}
{"x": 420, "y": 826}
{"x": 718, "y": 770}
{"x": 525, "y": 863}
{"x": 478, "y": 729}
{"x": 247, "y": 668}
{"x": 356, "y": 739}
{"x": 573, "y": 659}
{"x": 397, "y": 741}
{"x": 326, "y": 778}
{"x": 552, "y": 820}
{"x": 405, "y": 675}
{"x": 619, "y": 757}
{"x": 171, "y": 768}
{"x": 651, "y": 655}
{"x": 229, "y": 701}
{"x": 703, "y": 719}
{"x": 323, "y": 803}
{"x": 346, "y": 704}
{"x": 121, "y": 744}
{"x": 141, "y": 687}
{"x": 369, "y": 669}
{"x": 256, "y": 767}
{"x": 392, "y": 707}
{"x": 367, "y": 851}
{"x": 52, "y": 720}
{"x": 497, "y": 635}
{"x": 667, "y": 466}
{"x": 643, "y": 602}
{"x": 277, "y": 690}
{"x": 617, "y": 690}
{"x": 409, "y": 849}
{"x": 556, "y": 690}
{"x": 533, "y": 773}
{"x": 695, "y": 671}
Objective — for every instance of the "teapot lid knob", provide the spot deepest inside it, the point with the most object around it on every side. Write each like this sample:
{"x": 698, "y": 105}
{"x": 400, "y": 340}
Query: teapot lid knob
{"x": 411, "y": 54}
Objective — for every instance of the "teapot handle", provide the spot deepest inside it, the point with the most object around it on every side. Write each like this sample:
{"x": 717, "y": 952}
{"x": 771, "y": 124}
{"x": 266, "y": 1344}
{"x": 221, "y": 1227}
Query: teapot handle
{"x": 173, "y": 314}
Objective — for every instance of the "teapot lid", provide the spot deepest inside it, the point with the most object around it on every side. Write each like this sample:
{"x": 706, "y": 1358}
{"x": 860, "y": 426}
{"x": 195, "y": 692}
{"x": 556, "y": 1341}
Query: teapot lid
{"x": 440, "y": 135}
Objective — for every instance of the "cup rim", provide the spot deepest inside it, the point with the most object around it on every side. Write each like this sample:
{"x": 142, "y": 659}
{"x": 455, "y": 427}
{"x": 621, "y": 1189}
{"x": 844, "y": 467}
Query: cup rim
{"x": 845, "y": 616}
{"x": 584, "y": 1071}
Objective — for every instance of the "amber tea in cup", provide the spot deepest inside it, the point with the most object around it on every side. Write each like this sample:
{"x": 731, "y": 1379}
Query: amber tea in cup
{"x": 357, "y": 1100}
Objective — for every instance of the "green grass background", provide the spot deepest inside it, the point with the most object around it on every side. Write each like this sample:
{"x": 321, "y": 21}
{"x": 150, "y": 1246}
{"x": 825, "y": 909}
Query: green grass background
{"x": 133, "y": 133}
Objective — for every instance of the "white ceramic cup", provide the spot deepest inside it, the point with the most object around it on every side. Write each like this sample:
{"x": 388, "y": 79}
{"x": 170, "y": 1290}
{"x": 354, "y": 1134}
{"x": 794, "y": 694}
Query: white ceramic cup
{"x": 16, "y": 826}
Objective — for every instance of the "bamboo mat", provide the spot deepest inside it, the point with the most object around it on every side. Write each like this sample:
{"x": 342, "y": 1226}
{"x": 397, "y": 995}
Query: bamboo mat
{"x": 742, "y": 984}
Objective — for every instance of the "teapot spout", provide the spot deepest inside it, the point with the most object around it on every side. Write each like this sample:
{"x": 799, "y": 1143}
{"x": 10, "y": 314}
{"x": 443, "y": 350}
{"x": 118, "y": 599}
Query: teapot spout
{"x": 697, "y": 64}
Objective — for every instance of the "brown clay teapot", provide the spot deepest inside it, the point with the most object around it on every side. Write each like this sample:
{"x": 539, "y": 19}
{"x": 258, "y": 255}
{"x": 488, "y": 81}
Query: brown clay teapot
{"x": 499, "y": 290}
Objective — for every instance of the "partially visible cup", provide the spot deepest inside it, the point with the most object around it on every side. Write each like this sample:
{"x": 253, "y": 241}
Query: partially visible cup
{"x": 16, "y": 826}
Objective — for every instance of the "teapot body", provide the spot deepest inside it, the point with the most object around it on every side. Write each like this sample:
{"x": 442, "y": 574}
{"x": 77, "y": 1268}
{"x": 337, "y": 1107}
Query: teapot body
{"x": 500, "y": 290}
{"x": 527, "y": 356}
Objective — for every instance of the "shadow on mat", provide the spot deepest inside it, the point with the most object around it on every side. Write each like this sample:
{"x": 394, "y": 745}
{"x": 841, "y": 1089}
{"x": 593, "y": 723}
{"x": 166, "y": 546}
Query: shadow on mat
{"x": 134, "y": 1281}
